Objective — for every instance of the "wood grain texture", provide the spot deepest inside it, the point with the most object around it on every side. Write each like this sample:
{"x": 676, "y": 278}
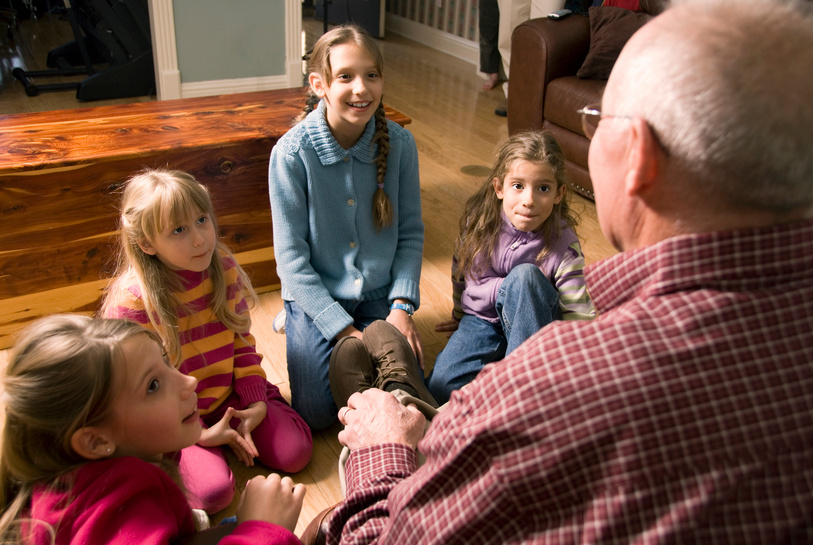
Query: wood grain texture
{"x": 61, "y": 175}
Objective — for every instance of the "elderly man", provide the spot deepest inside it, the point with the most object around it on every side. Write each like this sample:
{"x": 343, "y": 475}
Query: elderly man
{"x": 684, "y": 413}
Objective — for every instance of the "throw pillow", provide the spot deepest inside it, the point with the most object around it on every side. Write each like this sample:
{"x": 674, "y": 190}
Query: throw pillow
{"x": 610, "y": 28}
{"x": 626, "y": 4}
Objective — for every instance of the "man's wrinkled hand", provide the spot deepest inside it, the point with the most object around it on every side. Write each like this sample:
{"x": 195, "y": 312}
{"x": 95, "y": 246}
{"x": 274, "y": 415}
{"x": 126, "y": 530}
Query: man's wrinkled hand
{"x": 376, "y": 417}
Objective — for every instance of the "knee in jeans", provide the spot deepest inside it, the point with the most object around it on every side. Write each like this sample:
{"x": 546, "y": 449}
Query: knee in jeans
{"x": 525, "y": 274}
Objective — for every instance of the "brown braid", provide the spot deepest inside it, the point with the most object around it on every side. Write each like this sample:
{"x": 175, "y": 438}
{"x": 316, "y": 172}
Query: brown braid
{"x": 382, "y": 207}
{"x": 311, "y": 101}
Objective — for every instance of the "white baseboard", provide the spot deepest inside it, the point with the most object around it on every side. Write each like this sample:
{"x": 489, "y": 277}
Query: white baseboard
{"x": 229, "y": 86}
{"x": 455, "y": 46}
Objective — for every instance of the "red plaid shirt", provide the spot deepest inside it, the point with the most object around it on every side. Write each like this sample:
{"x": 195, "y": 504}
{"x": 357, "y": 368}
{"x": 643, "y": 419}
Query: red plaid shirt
{"x": 683, "y": 414}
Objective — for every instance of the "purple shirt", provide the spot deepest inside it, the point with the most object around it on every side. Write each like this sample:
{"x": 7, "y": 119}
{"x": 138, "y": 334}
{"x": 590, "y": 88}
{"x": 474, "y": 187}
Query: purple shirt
{"x": 563, "y": 266}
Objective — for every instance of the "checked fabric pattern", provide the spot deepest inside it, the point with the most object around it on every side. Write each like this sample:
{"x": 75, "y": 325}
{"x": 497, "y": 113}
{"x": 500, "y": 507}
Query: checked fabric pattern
{"x": 683, "y": 414}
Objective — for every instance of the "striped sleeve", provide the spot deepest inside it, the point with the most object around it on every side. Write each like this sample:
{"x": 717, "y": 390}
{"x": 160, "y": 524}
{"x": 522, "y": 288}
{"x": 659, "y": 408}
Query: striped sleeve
{"x": 574, "y": 300}
{"x": 221, "y": 359}
{"x": 249, "y": 376}
{"x": 128, "y": 305}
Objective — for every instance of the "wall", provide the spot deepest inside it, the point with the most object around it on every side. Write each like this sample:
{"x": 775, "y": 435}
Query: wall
{"x": 211, "y": 47}
{"x": 229, "y": 40}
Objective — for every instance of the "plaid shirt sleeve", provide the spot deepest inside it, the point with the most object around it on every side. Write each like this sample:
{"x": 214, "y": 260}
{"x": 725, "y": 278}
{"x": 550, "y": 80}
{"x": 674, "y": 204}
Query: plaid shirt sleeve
{"x": 371, "y": 473}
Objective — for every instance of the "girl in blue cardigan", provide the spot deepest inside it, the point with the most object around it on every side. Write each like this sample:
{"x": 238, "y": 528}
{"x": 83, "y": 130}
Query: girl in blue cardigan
{"x": 348, "y": 234}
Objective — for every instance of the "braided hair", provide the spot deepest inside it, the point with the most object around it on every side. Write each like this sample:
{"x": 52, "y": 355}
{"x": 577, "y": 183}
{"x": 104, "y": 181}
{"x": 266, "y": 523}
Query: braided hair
{"x": 318, "y": 59}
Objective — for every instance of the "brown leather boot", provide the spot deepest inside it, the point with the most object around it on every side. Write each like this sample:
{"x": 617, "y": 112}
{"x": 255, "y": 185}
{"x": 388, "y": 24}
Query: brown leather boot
{"x": 394, "y": 360}
{"x": 350, "y": 369}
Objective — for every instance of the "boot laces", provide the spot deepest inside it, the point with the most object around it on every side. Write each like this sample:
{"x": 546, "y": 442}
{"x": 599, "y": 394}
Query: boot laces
{"x": 388, "y": 370}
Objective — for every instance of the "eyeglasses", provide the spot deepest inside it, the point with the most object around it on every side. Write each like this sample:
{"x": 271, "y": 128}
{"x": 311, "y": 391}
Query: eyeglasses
{"x": 591, "y": 117}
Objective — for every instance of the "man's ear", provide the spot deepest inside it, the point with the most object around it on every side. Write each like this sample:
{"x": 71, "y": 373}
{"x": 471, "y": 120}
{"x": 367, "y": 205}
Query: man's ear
{"x": 92, "y": 443}
{"x": 643, "y": 158}
{"x": 317, "y": 85}
{"x": 146, "y": 247}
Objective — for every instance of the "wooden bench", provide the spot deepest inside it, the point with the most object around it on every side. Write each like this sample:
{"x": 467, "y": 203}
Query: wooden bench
{"x": 61, "y": 172}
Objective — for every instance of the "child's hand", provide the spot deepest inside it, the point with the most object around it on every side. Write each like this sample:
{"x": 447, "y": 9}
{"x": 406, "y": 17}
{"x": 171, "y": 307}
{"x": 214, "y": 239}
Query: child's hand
{"x": 406, "y": 325}
{"x": 272, "y": 499}
{"x": 449, "y": 326}
{"x": 250, "y": 418}
{"x": 223, "y": 434}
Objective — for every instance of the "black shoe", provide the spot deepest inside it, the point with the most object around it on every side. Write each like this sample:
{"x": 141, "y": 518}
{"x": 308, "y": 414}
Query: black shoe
{"x": 502, "y": 109}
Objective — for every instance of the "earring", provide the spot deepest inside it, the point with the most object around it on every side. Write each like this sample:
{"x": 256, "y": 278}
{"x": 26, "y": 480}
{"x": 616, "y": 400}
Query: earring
{"x": 109, "y": 450}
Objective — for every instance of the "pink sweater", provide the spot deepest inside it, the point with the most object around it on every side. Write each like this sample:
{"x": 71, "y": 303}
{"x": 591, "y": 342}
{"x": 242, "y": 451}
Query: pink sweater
{"x": 126, "y": 501}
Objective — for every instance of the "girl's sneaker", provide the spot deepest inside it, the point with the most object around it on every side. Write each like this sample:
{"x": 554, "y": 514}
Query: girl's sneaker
{"x": 279, "y": 322}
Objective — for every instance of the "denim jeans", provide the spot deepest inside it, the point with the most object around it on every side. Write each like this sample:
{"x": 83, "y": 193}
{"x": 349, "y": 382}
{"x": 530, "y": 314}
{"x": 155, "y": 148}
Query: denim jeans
{"x": 309, "y": 356}
{"x": 526, "y": 302}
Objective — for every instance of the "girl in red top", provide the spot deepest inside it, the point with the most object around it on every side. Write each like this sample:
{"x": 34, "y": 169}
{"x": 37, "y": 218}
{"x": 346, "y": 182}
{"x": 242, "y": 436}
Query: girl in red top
{"x": 91, "y": 407}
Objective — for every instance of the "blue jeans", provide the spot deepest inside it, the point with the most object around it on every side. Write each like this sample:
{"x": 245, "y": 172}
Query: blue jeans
{"x": 526, "y": 302}
{"x": 309, "y": 356}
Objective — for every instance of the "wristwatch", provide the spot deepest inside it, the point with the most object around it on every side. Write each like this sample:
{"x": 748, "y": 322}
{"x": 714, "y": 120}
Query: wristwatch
{"x": 408, "y": 307}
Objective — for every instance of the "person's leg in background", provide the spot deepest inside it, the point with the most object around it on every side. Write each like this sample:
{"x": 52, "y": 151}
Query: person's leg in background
{"x": 488, "y": 13}
{"x": 512, "y": 14}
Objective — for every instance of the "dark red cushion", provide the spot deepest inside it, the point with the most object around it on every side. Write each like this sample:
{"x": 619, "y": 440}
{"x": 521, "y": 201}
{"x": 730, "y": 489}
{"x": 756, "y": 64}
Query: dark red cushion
{"x": 610, "y": 28}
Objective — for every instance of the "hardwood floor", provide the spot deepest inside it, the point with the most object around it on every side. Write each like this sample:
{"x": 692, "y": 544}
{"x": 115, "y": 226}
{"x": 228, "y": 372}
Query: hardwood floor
{"x": 457, "y": 134}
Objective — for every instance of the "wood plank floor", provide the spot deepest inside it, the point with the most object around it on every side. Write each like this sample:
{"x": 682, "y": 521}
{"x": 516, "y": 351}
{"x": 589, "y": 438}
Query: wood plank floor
{"x": 457, "y": 134}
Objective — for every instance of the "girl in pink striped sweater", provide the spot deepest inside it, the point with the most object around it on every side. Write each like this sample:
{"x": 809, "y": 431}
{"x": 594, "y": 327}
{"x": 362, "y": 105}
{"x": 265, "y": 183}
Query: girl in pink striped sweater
{"x": 177, "y": 278}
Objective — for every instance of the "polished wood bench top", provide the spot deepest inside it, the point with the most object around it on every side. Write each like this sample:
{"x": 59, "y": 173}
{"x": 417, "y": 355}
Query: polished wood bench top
{"x": 61, "y": 173}
{"x": 66, "y": 137}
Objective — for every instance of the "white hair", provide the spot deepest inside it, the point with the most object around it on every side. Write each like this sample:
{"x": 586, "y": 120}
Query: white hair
{"x": 726, "y": 89}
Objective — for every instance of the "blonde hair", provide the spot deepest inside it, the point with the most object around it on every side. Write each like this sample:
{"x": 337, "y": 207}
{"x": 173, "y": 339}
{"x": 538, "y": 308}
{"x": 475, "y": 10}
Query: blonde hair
{"x": 319, "y": 63}
{"x": 153, "y": 201}
{"x": 59, "y": 379}
{"x": 481, "y": 222}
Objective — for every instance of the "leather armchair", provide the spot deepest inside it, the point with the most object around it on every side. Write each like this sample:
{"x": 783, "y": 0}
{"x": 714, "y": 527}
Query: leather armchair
{"x": 544, "y": 92}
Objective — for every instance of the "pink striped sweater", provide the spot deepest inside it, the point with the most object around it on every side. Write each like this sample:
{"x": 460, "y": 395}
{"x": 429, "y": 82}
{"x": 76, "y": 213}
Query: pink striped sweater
{"x": 222, "y": 360}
